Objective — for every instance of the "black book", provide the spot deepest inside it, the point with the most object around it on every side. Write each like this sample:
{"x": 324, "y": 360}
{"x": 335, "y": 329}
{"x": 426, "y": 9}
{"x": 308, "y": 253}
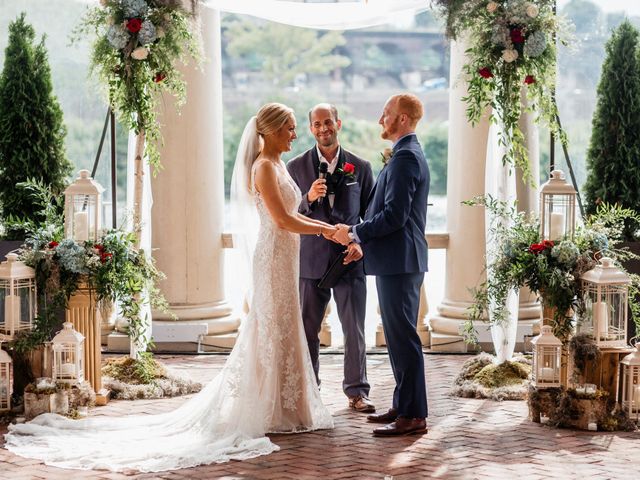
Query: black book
{"x": 335, "y": 271}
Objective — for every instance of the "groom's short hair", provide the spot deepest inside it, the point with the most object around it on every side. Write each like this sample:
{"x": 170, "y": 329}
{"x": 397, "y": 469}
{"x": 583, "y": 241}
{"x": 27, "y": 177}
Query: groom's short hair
{"x": 411, "y": 105}
{"x": 328, "y": 106}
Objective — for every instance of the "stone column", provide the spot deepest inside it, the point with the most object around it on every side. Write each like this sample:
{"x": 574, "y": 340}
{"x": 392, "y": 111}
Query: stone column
{"x": 465, "y": 225}
{"x": 188, "y": 205}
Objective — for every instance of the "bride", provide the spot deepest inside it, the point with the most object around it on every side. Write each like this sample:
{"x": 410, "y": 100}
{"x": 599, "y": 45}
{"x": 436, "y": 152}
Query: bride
{"x": 266, "y": 385}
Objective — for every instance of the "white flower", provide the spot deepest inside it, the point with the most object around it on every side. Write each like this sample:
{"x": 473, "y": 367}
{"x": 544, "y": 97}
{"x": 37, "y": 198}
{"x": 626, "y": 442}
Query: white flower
{"x": 532, "y": 10}
{"x": 509, "y": 55}
{"x": 159, "y": 32}
{"x": 140, "y": 53}
{"x": 492, "y": 7}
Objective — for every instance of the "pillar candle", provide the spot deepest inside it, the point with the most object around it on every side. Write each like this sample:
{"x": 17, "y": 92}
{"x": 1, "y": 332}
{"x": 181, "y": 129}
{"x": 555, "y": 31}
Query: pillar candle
{"x": 636, "y": 397}
{"x": 556, "y": 226}
{"x": 546, "y": 373}
{"x": 600, "y": 320}
{"x": 81, "y": 226}
{"x": 67, "y": 369}
{"x": 11, "y": 312}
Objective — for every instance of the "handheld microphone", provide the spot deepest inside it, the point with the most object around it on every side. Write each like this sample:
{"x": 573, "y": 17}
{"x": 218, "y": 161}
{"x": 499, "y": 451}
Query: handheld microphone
{"x": 323, "y": 168}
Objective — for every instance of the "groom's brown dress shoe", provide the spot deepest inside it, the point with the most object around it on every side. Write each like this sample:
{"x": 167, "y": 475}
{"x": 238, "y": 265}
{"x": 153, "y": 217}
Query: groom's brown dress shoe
{"x": 402, "y": 426}
{"x": 388, "y": 416}
{"x": 362, "y": 404}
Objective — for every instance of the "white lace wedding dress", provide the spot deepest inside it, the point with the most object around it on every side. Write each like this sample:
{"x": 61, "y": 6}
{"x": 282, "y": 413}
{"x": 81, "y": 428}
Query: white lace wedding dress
{"x": 266, "y": 385}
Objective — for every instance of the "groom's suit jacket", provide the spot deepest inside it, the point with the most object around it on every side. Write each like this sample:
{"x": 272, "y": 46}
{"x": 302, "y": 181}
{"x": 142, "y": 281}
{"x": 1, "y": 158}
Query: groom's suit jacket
{"x": 317, "y": 253}
{"x": 392, "y": 234}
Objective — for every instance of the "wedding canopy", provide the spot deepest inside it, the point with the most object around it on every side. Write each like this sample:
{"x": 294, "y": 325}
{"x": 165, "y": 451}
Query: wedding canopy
{"x": 323, "y": 15}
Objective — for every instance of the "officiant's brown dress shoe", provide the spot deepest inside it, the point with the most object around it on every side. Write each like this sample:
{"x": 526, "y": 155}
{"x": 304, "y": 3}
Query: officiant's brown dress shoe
{"x": 386, "y": 417}
{"x": 402, "y": 426}
{"x": 362, "y": 404}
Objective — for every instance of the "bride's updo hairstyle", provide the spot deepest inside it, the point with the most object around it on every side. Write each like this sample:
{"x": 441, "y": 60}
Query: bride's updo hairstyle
{"x": 271, "y": 117}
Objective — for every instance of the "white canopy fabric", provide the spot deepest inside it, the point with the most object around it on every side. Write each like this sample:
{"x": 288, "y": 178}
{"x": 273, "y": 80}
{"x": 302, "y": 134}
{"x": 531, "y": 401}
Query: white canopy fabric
{"x": 323, "y": 15}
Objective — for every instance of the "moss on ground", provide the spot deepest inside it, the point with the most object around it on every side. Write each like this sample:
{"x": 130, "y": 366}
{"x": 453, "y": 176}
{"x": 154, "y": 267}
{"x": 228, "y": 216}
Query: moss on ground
{"x": 505, "y": 374}
{"x": 134, "y": 372}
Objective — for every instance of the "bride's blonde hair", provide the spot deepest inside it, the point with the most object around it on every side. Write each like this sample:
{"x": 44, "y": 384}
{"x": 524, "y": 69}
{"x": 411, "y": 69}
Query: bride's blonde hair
{"x": 271, "y": 117}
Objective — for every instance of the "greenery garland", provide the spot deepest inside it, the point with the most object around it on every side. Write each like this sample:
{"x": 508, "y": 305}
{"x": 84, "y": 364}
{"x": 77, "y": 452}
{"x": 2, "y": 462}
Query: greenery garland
{"x": 512, "y": 47}
{"x": 137, "y": 46}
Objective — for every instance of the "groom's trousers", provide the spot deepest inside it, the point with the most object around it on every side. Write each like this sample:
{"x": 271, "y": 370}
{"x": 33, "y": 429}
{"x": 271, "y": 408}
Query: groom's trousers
{"x": 399, "y": 298}
{"x": 350, "y": 295}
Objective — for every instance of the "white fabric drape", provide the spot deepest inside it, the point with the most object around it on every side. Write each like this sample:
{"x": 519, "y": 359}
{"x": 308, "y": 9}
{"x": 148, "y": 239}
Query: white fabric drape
{"x": 323, "y": 15}
{"x": 500, "y": 183}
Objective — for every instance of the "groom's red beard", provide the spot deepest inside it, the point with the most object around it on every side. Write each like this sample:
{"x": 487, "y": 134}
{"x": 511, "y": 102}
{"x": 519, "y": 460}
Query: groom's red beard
{"x": 391, "y": 129}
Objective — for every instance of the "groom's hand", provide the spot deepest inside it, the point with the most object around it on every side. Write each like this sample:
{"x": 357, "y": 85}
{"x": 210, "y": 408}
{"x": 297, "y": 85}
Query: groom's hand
{"x": 354, "y": 253}
{"x": 329, "y": 232}
{"x": 342, "y": 234}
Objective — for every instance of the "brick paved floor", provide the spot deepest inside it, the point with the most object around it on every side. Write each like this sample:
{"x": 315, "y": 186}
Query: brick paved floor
{"x": 468, "y": 439}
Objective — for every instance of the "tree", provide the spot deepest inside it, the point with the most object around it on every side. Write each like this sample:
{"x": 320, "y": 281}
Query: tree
{"x": 613, "y": 158}
{"x": 281, "y": 52}
{"x": 32, "y": 132}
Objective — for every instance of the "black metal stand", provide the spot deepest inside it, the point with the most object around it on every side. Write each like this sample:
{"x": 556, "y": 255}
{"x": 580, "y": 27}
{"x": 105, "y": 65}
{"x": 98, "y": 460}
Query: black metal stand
{"x": 110, "y": 119}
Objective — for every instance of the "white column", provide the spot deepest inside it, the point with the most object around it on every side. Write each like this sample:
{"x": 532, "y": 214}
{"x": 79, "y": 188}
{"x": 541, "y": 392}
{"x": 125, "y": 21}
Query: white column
{"x": 465, "y": 225}
{"x": 188, "y": 196}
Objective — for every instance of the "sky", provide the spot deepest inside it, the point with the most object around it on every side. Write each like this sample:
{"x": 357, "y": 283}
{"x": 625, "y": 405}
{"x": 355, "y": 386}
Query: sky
{"x": 632, "y": 7}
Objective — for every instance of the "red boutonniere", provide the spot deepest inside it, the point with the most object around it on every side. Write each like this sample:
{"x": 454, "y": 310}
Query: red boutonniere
{"x": 348, "y": 170}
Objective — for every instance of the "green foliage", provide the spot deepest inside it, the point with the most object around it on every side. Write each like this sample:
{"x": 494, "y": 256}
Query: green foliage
{"x": 613, "y": 158}
{"x": 143, "y": 370}
{"x": 31, "y": 128}
{"x": 500, "y": 66}
{"x": 278, "y": 56}
{"x": 138, "y": 70}
{"x": 507, "y": 373}
{"x": 517, "y": 257}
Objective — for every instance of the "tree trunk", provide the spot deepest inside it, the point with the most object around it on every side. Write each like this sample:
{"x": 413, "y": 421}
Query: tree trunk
{"x": 135, "y": 347}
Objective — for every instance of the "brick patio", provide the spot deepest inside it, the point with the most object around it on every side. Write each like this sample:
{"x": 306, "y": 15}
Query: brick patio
{"x": 468, "y": 439}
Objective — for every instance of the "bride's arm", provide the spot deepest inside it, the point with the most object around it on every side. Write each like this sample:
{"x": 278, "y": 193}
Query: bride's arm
{"x": 267, "y": 184}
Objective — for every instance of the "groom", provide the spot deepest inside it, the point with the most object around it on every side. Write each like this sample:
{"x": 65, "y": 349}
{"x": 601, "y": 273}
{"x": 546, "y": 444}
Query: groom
{"x": 339, "y": 197}
{"x": 395, "y": 251}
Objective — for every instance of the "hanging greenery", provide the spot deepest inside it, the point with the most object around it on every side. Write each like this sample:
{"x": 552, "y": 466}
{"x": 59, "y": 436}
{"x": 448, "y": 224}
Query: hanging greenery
{"x": 137, "y": 46}
{"x": 512, "y": 48}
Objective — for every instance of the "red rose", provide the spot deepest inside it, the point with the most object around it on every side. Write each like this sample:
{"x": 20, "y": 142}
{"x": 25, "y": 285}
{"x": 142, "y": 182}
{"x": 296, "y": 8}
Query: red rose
{"x": 159, "y": 77}
{"x": 529, "y": 79}
{"x": 53, "y": 244}
{"x": 134, "y": 25}
{"x": 536, "y": 248}
{"x": 516, "y": 35}
{"x": 547, "y": 244}
{"x": 485, "y": 73}
{"x": 348, "y": 168}
{"x": 99, "y": 247}
{"x": 105, "y": 256}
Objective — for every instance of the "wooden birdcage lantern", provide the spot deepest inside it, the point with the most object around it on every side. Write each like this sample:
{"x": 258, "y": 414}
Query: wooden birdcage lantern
{"x": 83, "y": 208}
{"x": 557, "y": 208}
{"x": 68, "y": 354}
{"x": 630, "y": 393}
{"x": 605, "y": 289}
{"x": 6, "y": 380}
{"x": 18, "y": 305}
{"x": 547, "y": 353}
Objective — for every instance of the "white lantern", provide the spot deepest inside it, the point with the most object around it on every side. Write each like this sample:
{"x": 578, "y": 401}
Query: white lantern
{"x": 83, "y": 209}
{"x": 557, "y": 208}
{"x": 68, "y": 346}
{"x": 18, "y": 305}
{"x": 605, "y": 289}
{"x": 6, "y": 380}
{"x": 547, "y": 353}
{"x": 630, "y": 398}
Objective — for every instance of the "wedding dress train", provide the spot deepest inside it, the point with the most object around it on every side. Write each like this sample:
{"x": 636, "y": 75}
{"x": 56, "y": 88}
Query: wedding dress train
{"x": 266, "y": 385}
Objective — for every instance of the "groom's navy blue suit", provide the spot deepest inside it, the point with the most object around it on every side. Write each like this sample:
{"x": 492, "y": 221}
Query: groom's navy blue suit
{"x": 392, "y": 236}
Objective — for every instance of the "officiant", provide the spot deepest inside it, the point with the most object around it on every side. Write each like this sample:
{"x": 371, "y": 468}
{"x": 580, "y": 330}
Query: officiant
{"x": 335, "y": 186}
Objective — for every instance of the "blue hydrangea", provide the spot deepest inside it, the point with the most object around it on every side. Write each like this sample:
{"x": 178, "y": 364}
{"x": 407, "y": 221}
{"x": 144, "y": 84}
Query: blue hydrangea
{"x": 72, "y": 256}
{"x": 500, "y": 36}
{"x": 597, "y": 240}
{"x": 566, "y": 252}
{"x": 118, "y": 36}
{"x": 134, "y": 8}
{"x": 535, "y": 44}
{"x": 147, "y": 33}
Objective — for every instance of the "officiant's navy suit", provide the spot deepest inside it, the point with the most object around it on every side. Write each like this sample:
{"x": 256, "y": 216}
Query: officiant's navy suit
{"x": 316, "y": 254}
{"x": 392, "y": 237}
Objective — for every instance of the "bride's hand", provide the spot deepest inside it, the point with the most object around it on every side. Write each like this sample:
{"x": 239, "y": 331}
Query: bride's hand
{"x": 328, "y": 232}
